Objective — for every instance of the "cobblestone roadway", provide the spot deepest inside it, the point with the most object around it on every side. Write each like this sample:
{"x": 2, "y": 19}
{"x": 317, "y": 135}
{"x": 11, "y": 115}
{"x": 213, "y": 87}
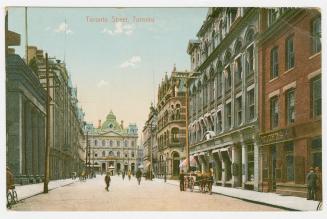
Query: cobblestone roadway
{"x": 128, "y": 196}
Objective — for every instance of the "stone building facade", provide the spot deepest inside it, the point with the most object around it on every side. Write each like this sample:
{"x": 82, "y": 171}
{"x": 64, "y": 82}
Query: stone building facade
{"x": 25, "y": 122}
{"x": 290, "y": 98}
{"x": 171, "y": 128}
{"x": 223, "y": 103}
{"x": 150, "y": 144}
{"x": 113, "y": 147}
{"x": 66, "y": 118}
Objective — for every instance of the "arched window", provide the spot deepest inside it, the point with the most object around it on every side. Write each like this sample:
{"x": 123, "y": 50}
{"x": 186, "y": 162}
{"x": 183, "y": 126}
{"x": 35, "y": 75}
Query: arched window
{"x": 126, "y": 143}
{"x": 133, "y": 154}
{"x": 95, "y": 142}
{"x": 103, "y": 153}
{"x": 118, "y": 143}
{"x": 111, "y": 153}
{"x": 205, "y": 91}
{"x": 111, "y": 143}
{"x": 103, "y": 143}
{"x": 178, "y": 111}
{"x": 249, "y": 63}
{"x": 118, "y": 154}
{"x": 219, "y": 83}
{"x": 175, "y": 134}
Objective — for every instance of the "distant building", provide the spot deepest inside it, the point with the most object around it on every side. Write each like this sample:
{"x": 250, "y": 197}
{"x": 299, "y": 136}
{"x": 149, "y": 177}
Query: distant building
{"x": 150, "y": 145}
{"x": 112, "y": 146}
{"x": 171, "y": 123}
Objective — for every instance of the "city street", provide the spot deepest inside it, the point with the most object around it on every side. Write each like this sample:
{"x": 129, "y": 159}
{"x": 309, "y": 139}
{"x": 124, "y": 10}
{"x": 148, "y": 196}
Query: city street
{"x": 128, "y": 196}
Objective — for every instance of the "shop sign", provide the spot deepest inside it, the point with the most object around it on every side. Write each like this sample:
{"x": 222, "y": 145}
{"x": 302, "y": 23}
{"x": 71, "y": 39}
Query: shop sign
{"x": 276, "y": 136}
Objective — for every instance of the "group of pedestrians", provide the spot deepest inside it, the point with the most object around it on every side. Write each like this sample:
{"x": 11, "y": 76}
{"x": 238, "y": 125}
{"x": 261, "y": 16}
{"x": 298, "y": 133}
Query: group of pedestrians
{"x": 314, "y": 183}
{"x": 138, "y": 175}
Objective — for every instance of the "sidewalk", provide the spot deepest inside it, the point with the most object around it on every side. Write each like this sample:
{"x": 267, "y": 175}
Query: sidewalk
{"x": 272, "y": 199}
{"x": 26, "y": 191}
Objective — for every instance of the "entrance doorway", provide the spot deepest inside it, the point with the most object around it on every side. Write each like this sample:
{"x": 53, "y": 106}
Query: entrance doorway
{"x": 126, "y": 167}
{"x": 103, "y": 167}
{"x": 175, "y": 164}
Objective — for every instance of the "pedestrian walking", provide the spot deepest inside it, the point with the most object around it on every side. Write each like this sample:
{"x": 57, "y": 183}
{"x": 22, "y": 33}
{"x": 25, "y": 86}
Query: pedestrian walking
{"x": 123, "y": 175}
{"x": 318, "y": 187}
{"x": 129, "y": 175}
{"x": 107, "y": 181}
{"x": 311, "y": 183}
{"x": 138, "y": 176}
{"x": 181, "y": 181}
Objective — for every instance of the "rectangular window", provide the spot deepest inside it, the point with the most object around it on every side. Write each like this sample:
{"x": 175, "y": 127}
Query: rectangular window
{"x": 228, "y": 79}
{"x": 289, "y": 153}
{"x": 274, "y": 63}
{"x": 219, "y": 84}
{"x": 251, "y": 108}
{"x": 290, "y": 106}
{"x": 316, "y": 156}
{"x": 118, "y": 143}
{"x": 274, "y": 112}
{"x": 219, "y": 122}
{"x": 228, "y": 115}
{"x": 238, "y": 110}
{"x": 316, "y": 97}
{"x": 250, "y": 154}
{"x": 289, "y": 53}
{"x": 316, "y": 35}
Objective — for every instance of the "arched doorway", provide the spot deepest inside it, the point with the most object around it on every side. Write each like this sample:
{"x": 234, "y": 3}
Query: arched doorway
{"x": 176, "y": 162}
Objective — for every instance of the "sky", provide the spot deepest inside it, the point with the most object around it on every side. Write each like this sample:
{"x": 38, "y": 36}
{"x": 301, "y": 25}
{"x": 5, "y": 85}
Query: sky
{"x": 115, "y": 61}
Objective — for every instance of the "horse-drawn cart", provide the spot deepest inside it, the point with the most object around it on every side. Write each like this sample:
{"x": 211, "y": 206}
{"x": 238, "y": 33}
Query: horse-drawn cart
{"x": 203, "y": 181}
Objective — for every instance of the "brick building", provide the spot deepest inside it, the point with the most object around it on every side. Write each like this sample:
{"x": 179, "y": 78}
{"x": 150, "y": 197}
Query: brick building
{"x": 289, "y": 98}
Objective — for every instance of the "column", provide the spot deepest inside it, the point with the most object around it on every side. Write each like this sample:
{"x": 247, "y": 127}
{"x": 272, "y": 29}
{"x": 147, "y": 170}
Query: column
{"x": 15, "y": 132}
{"x": 41, "y": 130}
{"x": 35, "y": 141}
{"x": 236, "y": 165}
{"x": 256, "y": 165}
{"x": 28, "y": 137}
{"x": 244, "y": 164}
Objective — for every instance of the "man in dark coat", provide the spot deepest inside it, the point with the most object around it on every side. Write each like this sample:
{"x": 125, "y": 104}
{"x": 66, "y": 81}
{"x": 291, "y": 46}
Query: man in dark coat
{"x": 181, "y": 181}
{"x": 138, "y": 176}
{"x": 312, "y": 184}
{"x": 107, "y": 181}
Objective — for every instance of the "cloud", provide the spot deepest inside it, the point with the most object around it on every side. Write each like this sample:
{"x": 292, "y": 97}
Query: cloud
{"x": 47, "y": 28}
{"x": 131, "y": 62}
{"x": 120, "y": 28}
{"x": 63, "y": 27}
{"x": 102, "y": 83}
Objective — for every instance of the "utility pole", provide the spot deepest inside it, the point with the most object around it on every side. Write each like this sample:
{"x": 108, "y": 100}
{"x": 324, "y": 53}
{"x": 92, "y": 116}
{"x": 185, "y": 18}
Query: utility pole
{"x": 26, "y": 37}
{"x": 191, "y": 75}
{"x": 47, "y": 138}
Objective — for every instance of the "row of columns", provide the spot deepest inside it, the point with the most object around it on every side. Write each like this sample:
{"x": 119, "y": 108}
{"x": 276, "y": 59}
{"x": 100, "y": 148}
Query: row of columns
{"x": 230, "y": 165}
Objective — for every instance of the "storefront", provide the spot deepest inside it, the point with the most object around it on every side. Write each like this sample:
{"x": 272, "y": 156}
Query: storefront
{"x": 286, "y": 156}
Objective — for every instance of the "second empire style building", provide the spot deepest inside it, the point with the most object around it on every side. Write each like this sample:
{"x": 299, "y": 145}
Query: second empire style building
{"x": 255, "y": 108}
{"x": 112, "y": 146}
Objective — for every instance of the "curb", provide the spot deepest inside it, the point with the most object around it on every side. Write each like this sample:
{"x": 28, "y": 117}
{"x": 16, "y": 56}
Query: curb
{"x": 38, "y": 193}
{"x": 248, "y": 200}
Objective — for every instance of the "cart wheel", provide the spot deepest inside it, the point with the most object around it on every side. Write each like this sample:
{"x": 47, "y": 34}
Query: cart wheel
{"x": 9, "y": 200}
{"x": 15, "y": 197}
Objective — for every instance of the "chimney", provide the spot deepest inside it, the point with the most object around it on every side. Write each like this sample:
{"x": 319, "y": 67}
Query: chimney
{"x": 122, "y": 124}
{"x": 99, "y": 126}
